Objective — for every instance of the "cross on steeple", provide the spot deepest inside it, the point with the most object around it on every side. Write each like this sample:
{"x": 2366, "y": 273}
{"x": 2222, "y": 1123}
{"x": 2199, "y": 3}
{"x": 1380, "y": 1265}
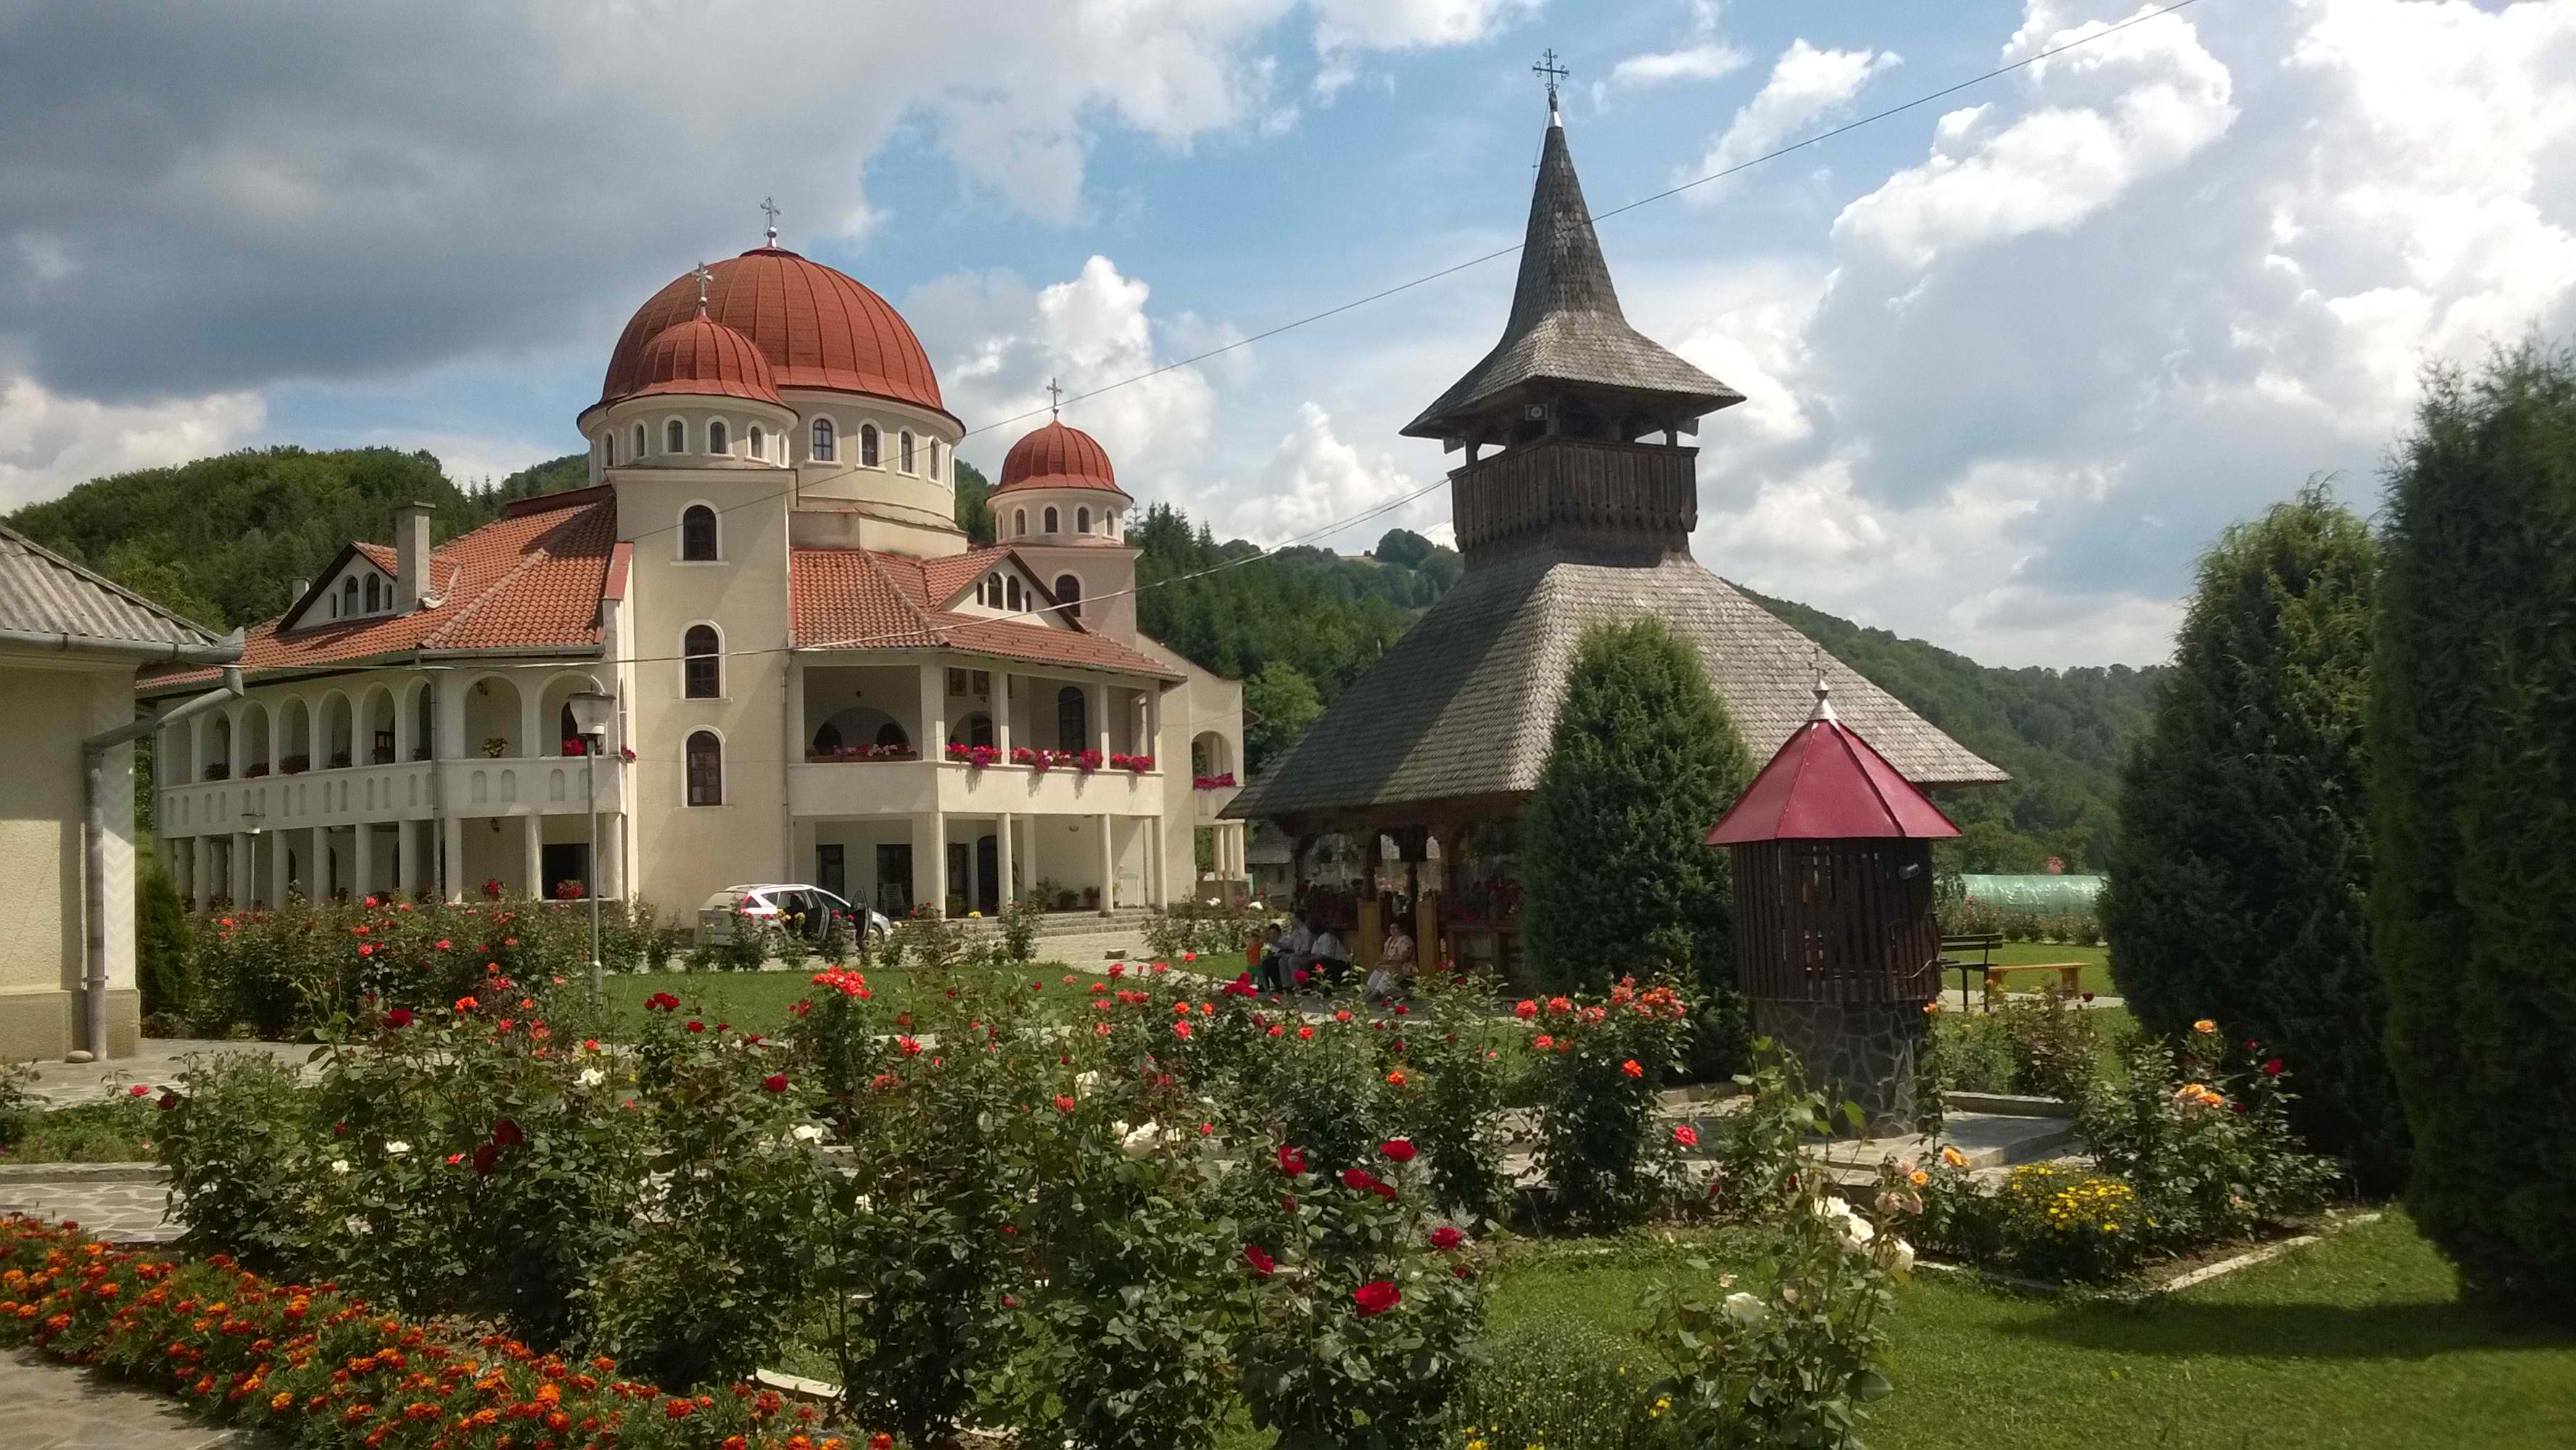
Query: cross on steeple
{"x": 1548, "y": 67}
{"x": 704, "y": 277}
{"x": 769, "y": 209}
{"x": 1055, "y": 400}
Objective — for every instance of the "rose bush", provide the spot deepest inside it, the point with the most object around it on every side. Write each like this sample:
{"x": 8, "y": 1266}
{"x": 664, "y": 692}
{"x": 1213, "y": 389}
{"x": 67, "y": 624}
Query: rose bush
{"x": 1596, "y": 1066}
{"x": 2202, "y": 1130}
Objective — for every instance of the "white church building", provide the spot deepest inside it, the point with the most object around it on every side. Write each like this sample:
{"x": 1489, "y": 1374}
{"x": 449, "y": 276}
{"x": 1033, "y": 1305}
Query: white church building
{"x": 812, "y": 676}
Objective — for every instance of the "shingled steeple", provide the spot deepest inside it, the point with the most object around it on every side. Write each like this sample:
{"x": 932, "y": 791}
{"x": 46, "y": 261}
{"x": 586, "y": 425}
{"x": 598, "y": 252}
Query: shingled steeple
{"x": 1567, "y": 347}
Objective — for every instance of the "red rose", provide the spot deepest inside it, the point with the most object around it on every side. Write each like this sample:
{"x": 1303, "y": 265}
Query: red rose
{"x": 1631, "y": 1068}
{"x": 1445, "y": 1238}
{"x": 399, "y": 1017}
{"x": 1261, "y": 1263}
{"x": 1181, "y": 1030}
{"x": 484, "y": 1156}
{"x": 662, "y": 1002}
{"x": 1291, "y": 1162}
{"x": 1375, "y": 1297}
{"x": 2272, "y": 1068}
{"x": 696, "y": 1026}
{"x": 1686, "y": 1135}
{"x": 169, "y": 1100}
{"x": 1063, "y": 1104}
{"x": 1396, "y": 1150}
{"x": 1525, "y": 1009}
{"x": 506, "y": 1134}
{"x": 909, "y": 1047}
{"x": 776, "y": 1082}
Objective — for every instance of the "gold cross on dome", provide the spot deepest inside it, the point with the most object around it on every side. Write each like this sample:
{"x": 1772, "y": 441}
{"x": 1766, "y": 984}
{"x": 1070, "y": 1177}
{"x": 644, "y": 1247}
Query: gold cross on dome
{"x": 769, "y": 209}
{"x": 1548, "y": 67}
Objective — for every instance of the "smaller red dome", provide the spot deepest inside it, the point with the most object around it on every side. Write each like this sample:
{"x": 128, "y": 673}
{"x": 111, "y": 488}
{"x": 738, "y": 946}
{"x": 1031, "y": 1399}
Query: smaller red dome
{"x": 1056, "y": 456}
{"x": 703, "y": 356}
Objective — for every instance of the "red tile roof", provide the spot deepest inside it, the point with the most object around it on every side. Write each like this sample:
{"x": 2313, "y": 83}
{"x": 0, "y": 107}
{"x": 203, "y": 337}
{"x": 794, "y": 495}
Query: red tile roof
{"x": 530, "y": 580}
{"x": 817, "y": 327}
{"x": 861, "y": 599}
{"x": 1827, "y": 784}
{"x": 1056, "y": 456}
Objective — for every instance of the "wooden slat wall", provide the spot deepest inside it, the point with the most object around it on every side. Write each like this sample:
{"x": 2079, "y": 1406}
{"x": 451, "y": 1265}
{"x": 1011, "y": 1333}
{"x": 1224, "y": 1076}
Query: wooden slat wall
{"x": 1835, "y": 921}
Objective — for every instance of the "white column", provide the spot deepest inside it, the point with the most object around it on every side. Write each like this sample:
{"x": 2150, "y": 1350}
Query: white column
{"x": 934, "y": 712}
{"x": 451, "y": 832}
{"x": 611, "y": 864}
{"x": 1097, "y": 701}
{"x": 317, "y": 866}
{"x": 280, "y": 864}
{"x": 929, "y": 862}
{"x": 1002, "y": 726}
{"x": 1003, "y": 826}
{"x": 1108, "y": 855}
{"x": 528, "y": 841}
{"x": 201, "y": 869}
{"x": 1158, "y": 885}
{"x": 408, "y": 857}
{"x": 239, "y": 865}
{"x": 362, "y": 870}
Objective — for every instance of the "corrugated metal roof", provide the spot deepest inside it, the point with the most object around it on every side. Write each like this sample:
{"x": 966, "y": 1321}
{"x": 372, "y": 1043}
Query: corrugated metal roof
{"x": 42, "y": 592}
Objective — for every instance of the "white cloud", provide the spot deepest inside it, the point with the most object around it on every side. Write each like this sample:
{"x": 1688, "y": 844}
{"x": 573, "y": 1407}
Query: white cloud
{"x": 1806, "y": 85}
{"x": 1313, "y": 478}
{"x": 1346, "y": 28}
{"x": 1706, "y": 61}
{"x": 48, "y": 442}
{"x": 2163, "y": 97}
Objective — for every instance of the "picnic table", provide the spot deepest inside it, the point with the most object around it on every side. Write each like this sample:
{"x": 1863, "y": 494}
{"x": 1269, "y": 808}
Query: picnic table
{"x": 1956, "y": 954}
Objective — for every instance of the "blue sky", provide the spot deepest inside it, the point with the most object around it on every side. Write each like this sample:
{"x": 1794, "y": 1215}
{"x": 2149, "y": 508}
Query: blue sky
{"x": 2012, "y": 358}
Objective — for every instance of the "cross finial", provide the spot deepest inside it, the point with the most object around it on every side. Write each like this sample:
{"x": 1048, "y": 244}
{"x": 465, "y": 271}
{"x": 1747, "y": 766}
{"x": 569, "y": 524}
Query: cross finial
{"x": 1548, "y": 67}
{"x": 1824, "y": 704}
{"x": 1055, "y": 399}
{"x": 704, "y": 277}
{"x": 769, "y": 209}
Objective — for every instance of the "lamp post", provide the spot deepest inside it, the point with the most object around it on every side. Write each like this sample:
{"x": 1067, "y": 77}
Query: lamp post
{"x": 591, "y": 712}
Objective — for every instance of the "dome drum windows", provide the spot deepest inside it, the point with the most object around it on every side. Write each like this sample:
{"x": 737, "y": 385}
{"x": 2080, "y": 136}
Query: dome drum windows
{"x": 867, "y": 445}
{"x": 1019, "y": 521}
{"x": 759, "y": 444}
{"x": 675, "y": 437}
{"x": 1053, "y": 526}
{"x": 719, "y": 438}
{"x": 639, "y": 443}
{"x": 904, "y": 443}
{"x": 698, "y": 537}
{"x": 825, "y": 445}
{"x": 1082, "y": 521}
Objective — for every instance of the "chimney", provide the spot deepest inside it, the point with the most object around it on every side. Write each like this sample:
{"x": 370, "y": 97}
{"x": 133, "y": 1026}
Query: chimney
{"x": 411, "y": 556}
{"x": 301, "y": 585}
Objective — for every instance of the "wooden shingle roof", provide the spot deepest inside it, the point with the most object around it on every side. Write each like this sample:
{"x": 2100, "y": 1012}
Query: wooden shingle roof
{"x": 1464, "y": 705}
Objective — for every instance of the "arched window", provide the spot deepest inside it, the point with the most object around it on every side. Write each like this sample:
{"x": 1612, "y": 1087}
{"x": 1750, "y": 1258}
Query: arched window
{"x": 702, "y": 663}
{"x": 934, "y": 459}
{"x": 706, "y": 769}
{"x": 827, "y": 740}
{"x": 867, "y": 445}
{"x": 608, "y": 442}
{"x": 1068, "y": 592}
{"x": 1019, "y": 521}
{"x": 375, "y": 600}
{"x": 1082, "y": 521}
{"x": 697, "y": 533}
{"x": 1050, "y": 520}
{"x": 719, "y": 439}
{"x": 759, "y": 449}
{"x": 823, "y": 445}
{"x": 1013, "y": 587}
{"x": 1072, "y": 719}
{"x": 891, "y": 734}
{"x": 348, "y": 597}
{"x": 906, "y": 439}
{"x": 675, "y": 437}
{"x": 976, "y": 729}
{"x": 639, "y": 442}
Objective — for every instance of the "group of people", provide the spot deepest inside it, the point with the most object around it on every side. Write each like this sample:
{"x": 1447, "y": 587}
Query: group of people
{"x": 1307, "y": 954}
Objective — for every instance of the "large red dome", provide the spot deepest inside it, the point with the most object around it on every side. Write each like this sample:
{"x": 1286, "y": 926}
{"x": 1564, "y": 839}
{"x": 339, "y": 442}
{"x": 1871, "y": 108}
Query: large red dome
{"x": 817, "y": 328}
{"x": 1056, "y": 456}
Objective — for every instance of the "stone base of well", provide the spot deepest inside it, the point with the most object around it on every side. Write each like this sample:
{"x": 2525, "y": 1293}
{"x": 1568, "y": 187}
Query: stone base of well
{"x": 1857, "y": 1054}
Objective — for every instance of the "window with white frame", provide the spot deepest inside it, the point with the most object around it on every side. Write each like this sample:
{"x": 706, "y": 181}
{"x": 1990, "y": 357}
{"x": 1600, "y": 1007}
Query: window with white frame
{"x": 675, "y": 437}
{"x": 718, "y": 439}
{"x": 759, "y": 444}
{"x": 639, "y": 442}
{"x": 705, "y": 769}
{"x": 905, "y": 439}
{"x": 867, "y": 445}
{"x": 823, "y": 441}
{"x": 698, "y": 534}
{"x": 701, "y": 663}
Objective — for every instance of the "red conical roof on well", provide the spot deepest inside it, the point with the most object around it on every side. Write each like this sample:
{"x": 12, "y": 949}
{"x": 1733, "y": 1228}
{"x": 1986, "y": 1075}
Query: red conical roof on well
{"x": 1827, "y": 784}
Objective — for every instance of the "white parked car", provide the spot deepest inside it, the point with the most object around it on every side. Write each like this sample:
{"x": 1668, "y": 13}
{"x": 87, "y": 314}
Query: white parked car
{"x": 780, "y": 903}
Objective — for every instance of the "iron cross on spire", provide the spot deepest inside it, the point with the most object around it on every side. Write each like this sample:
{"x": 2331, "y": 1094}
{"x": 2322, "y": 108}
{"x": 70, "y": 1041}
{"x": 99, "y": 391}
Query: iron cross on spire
{"x": 704, "y": 277}
{"x": 1055, "y": 399}
{"x": 1548, "y": 67}
{"x": 769, "y": 209}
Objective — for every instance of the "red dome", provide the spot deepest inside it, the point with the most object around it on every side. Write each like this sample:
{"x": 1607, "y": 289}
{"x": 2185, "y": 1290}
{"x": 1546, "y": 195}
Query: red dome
{"x": 703, "y": 356}
{"x": 816, "y": 327}
{"x": 1056, "y": 456}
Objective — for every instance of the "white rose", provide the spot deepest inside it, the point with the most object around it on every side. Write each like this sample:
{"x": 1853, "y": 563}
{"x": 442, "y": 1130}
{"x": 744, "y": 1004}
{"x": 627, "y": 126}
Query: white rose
{"x": 808, "y": 1133}
{"x": 1253, "y": 906}
{"x": 339, "y": 1165}
{"x": 354, "y": 1224}
{"x": 397, "y": 1148}
{"x": 591, "y": 1077}
{"x": 1084, "y": 1082}
{"x": 1747, "y": 1310}
{"x": 1857, "y": 1233}
{"x": 1904, "y": 1260}
{"x": 1140, "y": 1142}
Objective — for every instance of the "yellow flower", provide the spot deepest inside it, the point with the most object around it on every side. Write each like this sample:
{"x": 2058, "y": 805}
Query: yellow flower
{"x": 1476, "y": 1444}
{"x": 1918, "y": 1178}
{"x": 1954, "y": 1157}
{"x": 2204, "y": 1025}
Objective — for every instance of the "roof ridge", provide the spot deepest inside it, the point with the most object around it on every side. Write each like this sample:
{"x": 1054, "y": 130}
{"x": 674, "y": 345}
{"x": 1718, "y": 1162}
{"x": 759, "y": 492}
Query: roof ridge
{"x": 920, "y": 616}
{"x": 91, "y": 576}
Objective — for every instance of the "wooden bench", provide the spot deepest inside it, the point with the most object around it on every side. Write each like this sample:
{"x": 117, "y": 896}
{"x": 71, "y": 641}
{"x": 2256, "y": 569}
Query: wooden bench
{"x": 1955, "y": 951}
{"x": 2069, "y": 976}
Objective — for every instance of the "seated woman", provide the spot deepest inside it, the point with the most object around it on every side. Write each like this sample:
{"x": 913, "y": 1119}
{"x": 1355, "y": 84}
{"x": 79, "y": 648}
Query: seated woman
{"x": 1393, "y": 976}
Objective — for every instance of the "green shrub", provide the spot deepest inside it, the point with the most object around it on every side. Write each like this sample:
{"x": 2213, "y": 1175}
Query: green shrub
{"x": 1452, "y": 1104}
{"x": 2203, "y": 1134}
{"x": 2239, "y": 883}
{"x": 1020, "y": 928}
{"x": 18, "y": 1105}
{"x": 2473, "y": 744}
{"x": 1642, "y": 761}
{"x": 160, "y": 945}
{"x": 234, "y": 1137}
{"x": 1597, "y": 1063}
{"x": 2054, "y": 1051}
{"x": 1556, "y": 1380}
{"x": 2066, "y": 1224}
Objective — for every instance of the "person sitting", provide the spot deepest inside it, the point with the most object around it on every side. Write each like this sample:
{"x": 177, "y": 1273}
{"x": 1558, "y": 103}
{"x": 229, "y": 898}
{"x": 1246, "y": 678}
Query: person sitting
{"x": 1331, "y": 960}
{"x": 1272, "y": 968}
{"x": 1393, "y": 975}
{"x": 1297, "y": 953}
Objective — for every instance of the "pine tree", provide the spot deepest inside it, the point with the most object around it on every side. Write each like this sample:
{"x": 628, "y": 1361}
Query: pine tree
{"x": 1643, "y": 761}
{"x": 2473, "y": 742}
{"x": 2240, "y": 882}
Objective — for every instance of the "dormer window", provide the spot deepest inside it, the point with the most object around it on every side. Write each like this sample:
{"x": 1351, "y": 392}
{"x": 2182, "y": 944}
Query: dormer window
{"x": 373, "y": 600}
{"x": 1013, "y": 586}
{"x": 349, "y": 597}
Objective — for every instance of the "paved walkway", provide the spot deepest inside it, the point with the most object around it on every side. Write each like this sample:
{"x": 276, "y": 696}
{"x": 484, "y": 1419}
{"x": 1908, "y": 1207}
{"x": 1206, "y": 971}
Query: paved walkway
{"x": 47, "y": 1406}
{"x": 119, "y": 1202}
{"x": 155, "y": 1064}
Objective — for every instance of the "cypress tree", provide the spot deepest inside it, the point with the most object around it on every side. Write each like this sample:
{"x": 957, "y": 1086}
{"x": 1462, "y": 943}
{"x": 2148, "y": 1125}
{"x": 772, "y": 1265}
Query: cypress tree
{"x": 2473, "y": 739}
{"x": 1644, "y": 759}
{"x": 2239, "y": 884}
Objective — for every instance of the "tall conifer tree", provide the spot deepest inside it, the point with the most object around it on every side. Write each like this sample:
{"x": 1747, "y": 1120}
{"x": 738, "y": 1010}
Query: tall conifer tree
{"x": 2473, "y": 739}
{"x": 1643, "y": 761}
{"x": 2240, "y": 882}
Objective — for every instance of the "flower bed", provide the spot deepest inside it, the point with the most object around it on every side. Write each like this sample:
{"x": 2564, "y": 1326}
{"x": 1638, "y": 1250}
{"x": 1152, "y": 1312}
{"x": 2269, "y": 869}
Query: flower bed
{"x": 322, "y": 1367}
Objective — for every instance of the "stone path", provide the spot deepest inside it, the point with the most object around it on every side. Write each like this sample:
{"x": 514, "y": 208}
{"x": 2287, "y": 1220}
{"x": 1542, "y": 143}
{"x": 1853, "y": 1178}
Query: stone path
{"x": 47, "y": 1406}
{"x": 155, "y": 1064}
{"x": 119, "y": 1202}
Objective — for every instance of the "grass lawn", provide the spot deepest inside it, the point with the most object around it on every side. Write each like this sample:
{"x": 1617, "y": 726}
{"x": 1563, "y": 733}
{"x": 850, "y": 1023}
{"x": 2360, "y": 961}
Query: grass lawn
{"x": 106, "y": 1132}
{"x": 759, "y": 1000}
{"x": 2095, "y": 978}
{"x": 2357, "y": 1341}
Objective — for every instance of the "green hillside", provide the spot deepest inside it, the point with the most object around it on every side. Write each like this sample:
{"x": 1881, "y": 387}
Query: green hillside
{"x": 223, "y": 539}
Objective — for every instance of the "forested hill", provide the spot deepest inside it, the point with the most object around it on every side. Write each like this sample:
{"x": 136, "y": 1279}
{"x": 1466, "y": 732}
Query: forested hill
{"x": 222, "y": 539}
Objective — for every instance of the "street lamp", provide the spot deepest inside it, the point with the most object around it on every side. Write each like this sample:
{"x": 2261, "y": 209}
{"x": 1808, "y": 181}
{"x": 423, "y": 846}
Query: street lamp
{"x": 591, "y": 712}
